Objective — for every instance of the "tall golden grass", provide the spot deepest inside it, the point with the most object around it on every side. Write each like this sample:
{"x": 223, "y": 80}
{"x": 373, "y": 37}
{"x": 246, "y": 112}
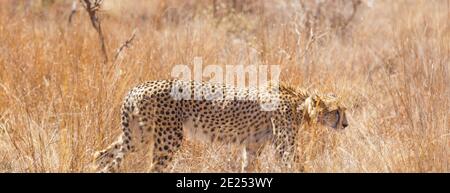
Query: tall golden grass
{"x": 59, "y": 102}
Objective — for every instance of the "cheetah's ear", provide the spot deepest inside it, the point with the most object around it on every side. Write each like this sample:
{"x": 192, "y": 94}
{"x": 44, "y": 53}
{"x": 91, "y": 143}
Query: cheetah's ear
{"x": 307, "y": 107}
{"x": 311, "y": 107}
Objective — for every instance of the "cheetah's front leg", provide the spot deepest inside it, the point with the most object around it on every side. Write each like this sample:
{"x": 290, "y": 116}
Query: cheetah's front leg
{"x": 284, "y": 137}
{"x": 251, "y": 152}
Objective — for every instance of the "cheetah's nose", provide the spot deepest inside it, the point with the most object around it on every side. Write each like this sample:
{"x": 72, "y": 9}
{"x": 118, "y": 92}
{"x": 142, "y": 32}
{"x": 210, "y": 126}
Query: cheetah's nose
{"x": 345, "y": 125}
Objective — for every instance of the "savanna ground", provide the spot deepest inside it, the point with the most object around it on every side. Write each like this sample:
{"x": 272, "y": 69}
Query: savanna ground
{"x": 388, "y": 60}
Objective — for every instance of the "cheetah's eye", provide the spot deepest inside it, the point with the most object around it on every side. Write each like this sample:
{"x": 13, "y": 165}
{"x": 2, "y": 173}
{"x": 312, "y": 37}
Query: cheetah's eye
{"x": 336, "y": 116}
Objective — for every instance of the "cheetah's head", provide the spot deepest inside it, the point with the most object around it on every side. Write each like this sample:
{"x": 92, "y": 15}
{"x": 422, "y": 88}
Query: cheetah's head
{"x": 325, "y": 110}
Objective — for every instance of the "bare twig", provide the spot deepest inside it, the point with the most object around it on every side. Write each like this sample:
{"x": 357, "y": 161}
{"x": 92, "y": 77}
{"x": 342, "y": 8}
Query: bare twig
{"x": 214, "y": 8}
{"x": 126, "y": 44}
{"x": 355, "y": 5}
{"x": 73, "y": 11}
{"x": 92, "y": 7}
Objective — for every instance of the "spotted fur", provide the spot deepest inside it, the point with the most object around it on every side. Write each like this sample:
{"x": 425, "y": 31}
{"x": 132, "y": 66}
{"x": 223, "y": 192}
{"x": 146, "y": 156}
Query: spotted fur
{"x": 152, "y": 115}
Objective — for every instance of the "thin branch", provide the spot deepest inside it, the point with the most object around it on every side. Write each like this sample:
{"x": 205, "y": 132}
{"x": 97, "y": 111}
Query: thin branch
{"x": 73, "y": 11}
{"x": 92, "y": 7}
{"x": 126, "y": 44}
{"x": 355, "y": 5}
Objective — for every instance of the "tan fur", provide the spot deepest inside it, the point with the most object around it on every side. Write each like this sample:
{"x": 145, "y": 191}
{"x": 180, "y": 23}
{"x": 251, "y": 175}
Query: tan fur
{"x": 152, "y": 117}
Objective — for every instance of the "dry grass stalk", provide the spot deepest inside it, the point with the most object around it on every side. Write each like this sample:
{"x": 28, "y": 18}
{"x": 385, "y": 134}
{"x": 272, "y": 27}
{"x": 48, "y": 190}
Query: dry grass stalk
{"x": 57, "y": 107}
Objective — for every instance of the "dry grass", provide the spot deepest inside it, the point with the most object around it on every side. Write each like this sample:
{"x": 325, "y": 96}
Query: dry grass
{"x": 59, "y": 102}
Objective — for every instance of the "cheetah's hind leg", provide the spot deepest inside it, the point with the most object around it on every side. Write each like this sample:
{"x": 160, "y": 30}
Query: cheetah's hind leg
{"x": 167, "y": 142}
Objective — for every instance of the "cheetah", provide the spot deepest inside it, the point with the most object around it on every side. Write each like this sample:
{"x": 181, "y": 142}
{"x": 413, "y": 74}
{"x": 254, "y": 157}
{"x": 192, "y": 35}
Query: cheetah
{"x": 160, "y": 113}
